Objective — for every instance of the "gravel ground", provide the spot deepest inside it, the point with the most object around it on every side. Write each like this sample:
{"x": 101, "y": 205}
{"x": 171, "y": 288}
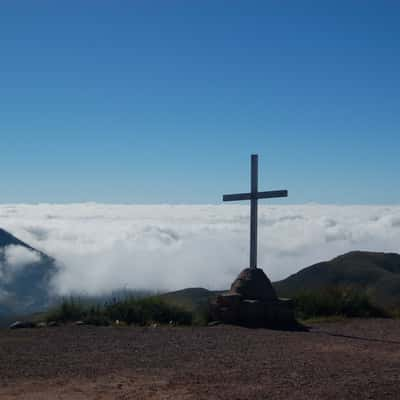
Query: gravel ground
{"x": 356, "y": 359}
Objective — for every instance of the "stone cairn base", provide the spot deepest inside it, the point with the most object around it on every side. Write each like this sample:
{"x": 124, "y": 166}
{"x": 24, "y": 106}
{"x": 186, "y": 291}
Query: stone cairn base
{"x": 252, "y": 302}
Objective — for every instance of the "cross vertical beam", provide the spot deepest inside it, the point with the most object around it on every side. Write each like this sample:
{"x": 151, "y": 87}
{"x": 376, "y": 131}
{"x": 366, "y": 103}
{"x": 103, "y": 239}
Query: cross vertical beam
{"x": 253, "y": 196}
{"x": 253, "y": 211}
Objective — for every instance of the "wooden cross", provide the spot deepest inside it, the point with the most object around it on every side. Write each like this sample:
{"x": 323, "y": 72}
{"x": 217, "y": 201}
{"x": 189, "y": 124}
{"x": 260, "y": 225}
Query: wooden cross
{"x": 253, "y": 196}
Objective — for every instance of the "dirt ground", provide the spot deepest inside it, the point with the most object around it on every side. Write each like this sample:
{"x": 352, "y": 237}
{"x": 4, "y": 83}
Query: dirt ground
{"x": 357, "y": 359}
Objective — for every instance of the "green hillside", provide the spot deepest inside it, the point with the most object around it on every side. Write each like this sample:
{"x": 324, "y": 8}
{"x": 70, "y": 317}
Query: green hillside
{"x": 376, "y": 274}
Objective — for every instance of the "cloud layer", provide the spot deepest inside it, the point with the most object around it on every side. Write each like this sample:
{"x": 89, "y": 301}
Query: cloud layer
{"x": 106, "y": 247}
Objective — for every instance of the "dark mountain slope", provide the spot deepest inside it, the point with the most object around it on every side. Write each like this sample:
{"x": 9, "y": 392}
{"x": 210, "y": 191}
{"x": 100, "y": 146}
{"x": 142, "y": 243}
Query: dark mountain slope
{"x": 25, "y": 290}
{"x": 376, "y": 273}
{"x": 6, "y": 239}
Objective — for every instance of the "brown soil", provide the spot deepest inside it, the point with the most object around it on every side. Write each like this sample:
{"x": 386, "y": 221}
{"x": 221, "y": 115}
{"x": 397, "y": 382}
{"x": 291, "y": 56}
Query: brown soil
{"x": 357, "y": 359}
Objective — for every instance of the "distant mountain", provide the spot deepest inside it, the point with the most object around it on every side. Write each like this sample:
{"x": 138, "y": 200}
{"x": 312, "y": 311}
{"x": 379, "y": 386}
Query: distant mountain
{"x": 25, "y": 274}
{"x": 378, "y": 274}
{"x": 190, "y": 298}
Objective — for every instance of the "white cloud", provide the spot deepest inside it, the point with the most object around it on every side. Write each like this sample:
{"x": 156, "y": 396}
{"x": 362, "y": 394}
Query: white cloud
{"x": 15, "y": 258}
{"x": 105, "y": 247}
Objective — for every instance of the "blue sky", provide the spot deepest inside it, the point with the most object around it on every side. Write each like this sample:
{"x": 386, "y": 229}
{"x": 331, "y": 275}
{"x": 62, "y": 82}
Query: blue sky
{"x": 163, "y": 102}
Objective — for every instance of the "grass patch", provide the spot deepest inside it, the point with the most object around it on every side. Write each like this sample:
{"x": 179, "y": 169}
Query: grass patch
{"x": 328, "y": 305}
{"x": 129, "y": 311}
{"x": 147, "y": 310}
{"x": 201, "y": 315}
{"x": 71, "y": 309}
{"x": 336, "y": 302}
{"x": 320, "y": 320}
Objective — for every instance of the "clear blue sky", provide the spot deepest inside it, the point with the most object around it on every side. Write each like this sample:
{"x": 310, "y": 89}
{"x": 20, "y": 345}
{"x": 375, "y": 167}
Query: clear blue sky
{"x": 163, "y": 101}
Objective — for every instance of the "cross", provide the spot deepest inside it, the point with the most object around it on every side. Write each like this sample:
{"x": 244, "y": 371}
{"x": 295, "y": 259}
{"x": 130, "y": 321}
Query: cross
{"x": 253, "y": 196}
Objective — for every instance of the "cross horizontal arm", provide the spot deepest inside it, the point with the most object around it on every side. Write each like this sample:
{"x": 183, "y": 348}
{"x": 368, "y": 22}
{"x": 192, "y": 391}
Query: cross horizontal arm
{"x": 271, "y": 194}
{"x": 258, "y": 195}
{"x": 235, "y": 197}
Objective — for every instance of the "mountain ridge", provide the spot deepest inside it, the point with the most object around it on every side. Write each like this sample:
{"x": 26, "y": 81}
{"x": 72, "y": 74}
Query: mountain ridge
{"x": 376, "y": 273}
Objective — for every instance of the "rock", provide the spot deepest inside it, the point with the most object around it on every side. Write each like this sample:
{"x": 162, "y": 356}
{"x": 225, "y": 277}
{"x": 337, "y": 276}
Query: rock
{"x": 41, "y": 325}
{"x": 227, "y": 307}
{"x": 252, "y": 302}
{"x": 214, "y": 323}
{"x": 253, "y": 313}
{"x": 79, "y": 323}
{"x": 229, "y": 299}
{"x": 253, "y": 284}
{"x": 22, "y": 325}
{"x": 52, "y": 324}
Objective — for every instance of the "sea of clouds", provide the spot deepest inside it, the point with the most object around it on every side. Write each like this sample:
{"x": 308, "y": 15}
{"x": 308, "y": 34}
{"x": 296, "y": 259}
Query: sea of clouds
{"x": 100, "y": 248}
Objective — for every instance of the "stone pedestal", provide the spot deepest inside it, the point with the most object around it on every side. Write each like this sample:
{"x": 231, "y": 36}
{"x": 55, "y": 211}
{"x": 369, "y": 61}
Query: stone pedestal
{"x": 252, "y": 302}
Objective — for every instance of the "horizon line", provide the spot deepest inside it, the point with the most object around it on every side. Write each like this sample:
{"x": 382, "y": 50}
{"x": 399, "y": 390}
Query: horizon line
{"x": 311, "y": 203}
